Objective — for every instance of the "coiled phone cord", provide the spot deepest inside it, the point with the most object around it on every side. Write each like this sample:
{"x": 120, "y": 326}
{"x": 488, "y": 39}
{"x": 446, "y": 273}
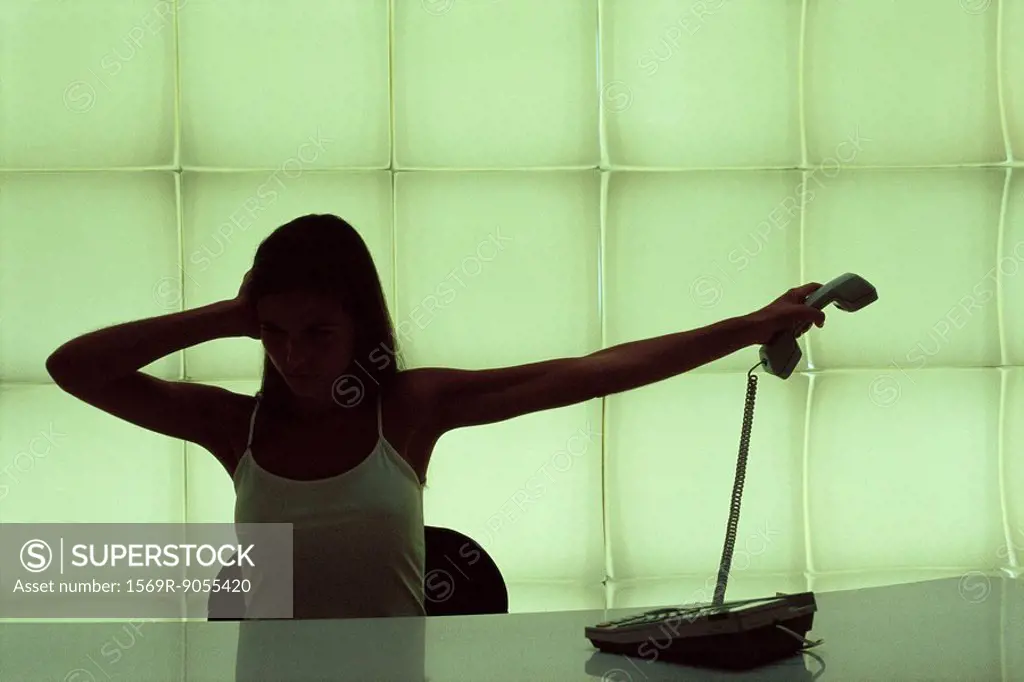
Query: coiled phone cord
{"x": 737, "y": 488}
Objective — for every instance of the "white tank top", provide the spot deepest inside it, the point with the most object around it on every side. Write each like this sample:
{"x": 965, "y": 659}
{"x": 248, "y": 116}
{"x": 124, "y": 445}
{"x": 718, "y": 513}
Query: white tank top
{"x": 358, "y": 548}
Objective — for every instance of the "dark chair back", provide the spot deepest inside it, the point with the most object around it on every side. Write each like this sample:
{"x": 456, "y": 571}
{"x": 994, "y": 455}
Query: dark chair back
{"x": 460, "y": 578}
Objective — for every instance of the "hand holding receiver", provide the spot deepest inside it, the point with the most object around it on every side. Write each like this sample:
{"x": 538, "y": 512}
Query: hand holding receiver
{"x": 787, "y": 313}
{"x": 796, "y": 309}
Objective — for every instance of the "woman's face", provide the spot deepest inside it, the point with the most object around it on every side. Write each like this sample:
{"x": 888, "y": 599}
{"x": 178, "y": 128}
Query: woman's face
{"x": 309, "y": 338}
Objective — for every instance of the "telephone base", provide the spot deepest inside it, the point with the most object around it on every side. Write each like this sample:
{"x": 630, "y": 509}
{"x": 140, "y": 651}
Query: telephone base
{"x": 723, "y": 638}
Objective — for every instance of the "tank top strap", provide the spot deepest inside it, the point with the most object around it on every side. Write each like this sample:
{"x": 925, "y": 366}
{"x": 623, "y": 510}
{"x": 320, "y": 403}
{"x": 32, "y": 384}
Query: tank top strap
{"x": 252, "y": 419}
{"x": 380, "y": 423}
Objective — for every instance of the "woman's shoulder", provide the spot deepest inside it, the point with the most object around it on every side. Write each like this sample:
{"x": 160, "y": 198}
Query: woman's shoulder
{"x": 410, "y": 391}
{"x": 413, "y": 393}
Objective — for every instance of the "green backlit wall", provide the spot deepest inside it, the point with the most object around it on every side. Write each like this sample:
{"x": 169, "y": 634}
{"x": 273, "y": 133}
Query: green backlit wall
{"x": 538, "y": 179}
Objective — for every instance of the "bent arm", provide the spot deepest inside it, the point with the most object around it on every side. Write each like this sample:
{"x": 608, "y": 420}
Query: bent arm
{"x": 115, "y": 352}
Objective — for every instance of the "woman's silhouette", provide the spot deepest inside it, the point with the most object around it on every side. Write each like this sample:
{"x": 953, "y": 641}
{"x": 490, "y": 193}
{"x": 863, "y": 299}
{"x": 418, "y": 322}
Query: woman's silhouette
{"x": 339, "y": 437}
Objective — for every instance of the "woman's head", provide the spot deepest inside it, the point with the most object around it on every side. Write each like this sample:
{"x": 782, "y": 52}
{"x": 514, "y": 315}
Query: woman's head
{"x": 324, "y": 321}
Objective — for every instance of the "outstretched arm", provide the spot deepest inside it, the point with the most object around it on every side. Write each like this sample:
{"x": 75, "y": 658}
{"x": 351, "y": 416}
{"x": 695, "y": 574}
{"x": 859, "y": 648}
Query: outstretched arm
{"x": 463, "y": 398}
{"x": 473, "y": 397}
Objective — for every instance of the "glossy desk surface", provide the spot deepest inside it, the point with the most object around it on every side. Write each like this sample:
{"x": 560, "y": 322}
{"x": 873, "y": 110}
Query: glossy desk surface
{"x": 947, "y": 629}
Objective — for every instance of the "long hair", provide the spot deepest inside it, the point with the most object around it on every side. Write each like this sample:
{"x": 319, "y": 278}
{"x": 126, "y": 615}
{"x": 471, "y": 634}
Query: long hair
{"x": 324, "y": 254}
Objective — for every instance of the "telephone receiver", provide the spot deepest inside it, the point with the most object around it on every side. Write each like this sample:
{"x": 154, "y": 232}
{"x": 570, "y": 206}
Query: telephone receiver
{"x": 848, "y": 292}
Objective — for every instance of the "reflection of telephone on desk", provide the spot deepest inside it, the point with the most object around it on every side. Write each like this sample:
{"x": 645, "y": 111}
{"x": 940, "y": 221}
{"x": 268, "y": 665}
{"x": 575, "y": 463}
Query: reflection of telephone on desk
{"x": 737, "y": 635}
